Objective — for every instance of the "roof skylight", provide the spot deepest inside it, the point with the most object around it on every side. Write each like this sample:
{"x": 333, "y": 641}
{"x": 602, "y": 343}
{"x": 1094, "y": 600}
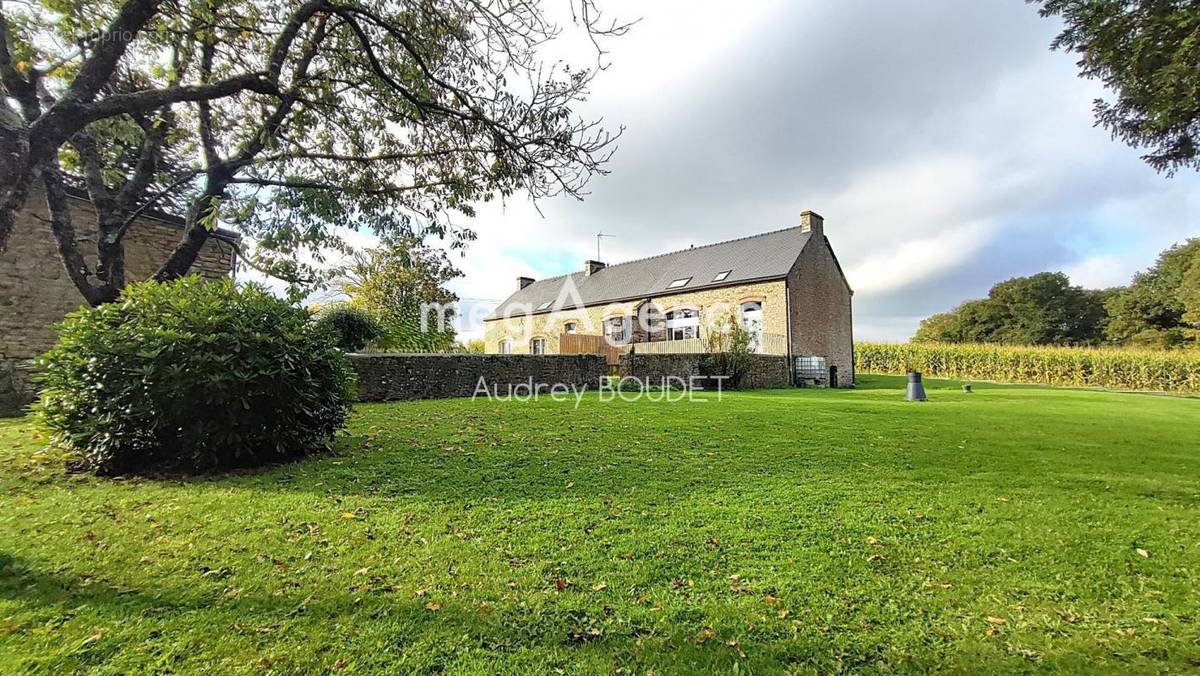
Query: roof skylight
{"x": 679, "y": 283}
{"x": 721, "y": 276}
{"x": 543, "y": 306}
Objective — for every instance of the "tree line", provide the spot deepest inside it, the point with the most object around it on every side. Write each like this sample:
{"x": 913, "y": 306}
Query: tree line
{"x": 1160, "y": 308}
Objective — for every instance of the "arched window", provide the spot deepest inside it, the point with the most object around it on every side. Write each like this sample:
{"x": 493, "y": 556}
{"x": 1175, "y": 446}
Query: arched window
{"x": 752, "y": 321}
{"x": 506, "y": 346}
{"x": 537, "y": 346}
{"x": 682, "y": 324}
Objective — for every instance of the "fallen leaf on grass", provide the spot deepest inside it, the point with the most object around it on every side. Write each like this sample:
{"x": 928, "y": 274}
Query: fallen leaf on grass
{"x": 348, "y": 515}
{"x": 600, "y": 586}
{"x": 560, "y": 584}
{"x": 996, "y": 620}
{"x": 433, "y": 607}
{"x": 783, "y": 613}
{"x": 706, "y": 634}
{"x": 1142, "y": 553}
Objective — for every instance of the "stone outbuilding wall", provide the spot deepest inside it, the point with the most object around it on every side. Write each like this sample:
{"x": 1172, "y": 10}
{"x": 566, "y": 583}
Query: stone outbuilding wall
{"x": 397, "y": 377}
{"x": 36, "y": 293}
{"x": 820, "y": 302}
{"x": 766, "y": 370}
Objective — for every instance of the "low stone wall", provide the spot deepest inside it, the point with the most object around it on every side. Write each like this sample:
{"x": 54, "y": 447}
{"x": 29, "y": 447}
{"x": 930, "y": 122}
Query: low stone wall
{"x": 392, "y": 377}
{"x": 766, "y": 370}
{"x": 17, "y": 389}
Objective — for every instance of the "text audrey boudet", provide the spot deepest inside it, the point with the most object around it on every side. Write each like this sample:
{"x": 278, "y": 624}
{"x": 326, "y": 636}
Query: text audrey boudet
{"x": 629, "y": 388}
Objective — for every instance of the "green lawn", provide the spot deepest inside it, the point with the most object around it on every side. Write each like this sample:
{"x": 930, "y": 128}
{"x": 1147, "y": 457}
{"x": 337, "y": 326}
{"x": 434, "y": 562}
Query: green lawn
{"x": 1007, "y": 530}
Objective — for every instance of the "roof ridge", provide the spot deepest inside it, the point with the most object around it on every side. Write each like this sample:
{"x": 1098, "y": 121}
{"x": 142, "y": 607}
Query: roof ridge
{"x": 694, "y": 248}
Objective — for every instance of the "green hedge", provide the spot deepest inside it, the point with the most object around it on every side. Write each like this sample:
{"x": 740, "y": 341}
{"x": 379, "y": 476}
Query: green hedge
{"x": 1127, "y": 369}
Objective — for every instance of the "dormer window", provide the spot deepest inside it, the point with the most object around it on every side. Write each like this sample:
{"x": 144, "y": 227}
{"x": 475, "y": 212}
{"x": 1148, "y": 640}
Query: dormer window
{"x": 679, "y": 283}
{"x": 721, "y": 276}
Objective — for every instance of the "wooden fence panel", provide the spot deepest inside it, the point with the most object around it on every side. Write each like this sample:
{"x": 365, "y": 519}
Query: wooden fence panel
{"x": 581, "y": 343}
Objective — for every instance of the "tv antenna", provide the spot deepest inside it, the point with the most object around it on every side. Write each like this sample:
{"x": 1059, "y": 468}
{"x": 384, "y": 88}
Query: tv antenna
{"x": 598, "y": 236}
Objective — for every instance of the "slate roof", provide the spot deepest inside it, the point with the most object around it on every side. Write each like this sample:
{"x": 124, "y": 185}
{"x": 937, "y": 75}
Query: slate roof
{"x": 769, "y": 255}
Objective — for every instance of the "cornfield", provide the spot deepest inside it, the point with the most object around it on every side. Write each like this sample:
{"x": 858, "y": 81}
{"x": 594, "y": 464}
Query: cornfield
{"x": 1127, "y": 369}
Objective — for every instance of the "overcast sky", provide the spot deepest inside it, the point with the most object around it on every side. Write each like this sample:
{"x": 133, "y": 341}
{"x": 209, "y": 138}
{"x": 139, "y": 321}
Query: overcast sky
{"x": 945, "y": 145}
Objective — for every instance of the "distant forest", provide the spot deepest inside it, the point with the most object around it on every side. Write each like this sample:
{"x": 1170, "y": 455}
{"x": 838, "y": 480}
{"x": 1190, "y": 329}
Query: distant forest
{"x": 1160, "y": 308}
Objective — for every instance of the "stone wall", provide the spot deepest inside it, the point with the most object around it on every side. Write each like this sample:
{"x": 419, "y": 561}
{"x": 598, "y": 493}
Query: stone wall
{"x": 820, "y": 303}
{"x": 391, "y": 377}
{"x": 766, "y": 370}
{"x": 35, "y": 292}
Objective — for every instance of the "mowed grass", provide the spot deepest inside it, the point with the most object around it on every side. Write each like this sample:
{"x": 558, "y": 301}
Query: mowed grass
{"x": 1012, "y": 529}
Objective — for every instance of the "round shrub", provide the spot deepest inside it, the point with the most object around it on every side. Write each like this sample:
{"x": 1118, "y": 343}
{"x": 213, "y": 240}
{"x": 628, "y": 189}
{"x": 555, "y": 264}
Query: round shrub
{"x": 190, "y": 376}
{"x": 351, "y": 328}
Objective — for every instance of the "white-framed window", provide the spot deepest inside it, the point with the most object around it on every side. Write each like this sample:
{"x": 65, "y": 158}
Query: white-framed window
{"x": 752, "y": 320}
{"x": 537, "y": 346}
{"x": 571, "y": 327}
{"x": 617, "y": 330}
{"x": 679, "y": 283}
{"x": 683, "y": 324}
{"x": 506, "y": 346}
{"x": 722, "y": 275}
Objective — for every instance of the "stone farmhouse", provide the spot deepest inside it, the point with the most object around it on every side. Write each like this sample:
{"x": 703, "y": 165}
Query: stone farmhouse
{"x": 785, "y": 286}
{"x": 36, "y": 293}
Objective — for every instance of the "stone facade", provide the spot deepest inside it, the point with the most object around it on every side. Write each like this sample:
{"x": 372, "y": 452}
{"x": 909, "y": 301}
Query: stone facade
{"x": 393, "y": 377}
{"x": 36, "y": 293}
{"x": 521, "y": 330}
{"x": 766, "y": 370}
{"x": 819, "y": 300}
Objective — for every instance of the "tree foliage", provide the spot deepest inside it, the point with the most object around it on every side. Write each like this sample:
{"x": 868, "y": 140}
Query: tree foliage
{"x": 1160, "y": 309}
{"x": 350, "y": 328}
{"x": 1147, "y": 52}
{"x": 1043, "y": 309}
{"x": 288, "y": 119}
{"x": 402, "y": 284}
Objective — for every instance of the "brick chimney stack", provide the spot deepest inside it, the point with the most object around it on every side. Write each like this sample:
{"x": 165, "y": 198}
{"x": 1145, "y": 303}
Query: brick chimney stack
{"x": 811, "y": 221}
{"x": 592, "y": 267}
{"x": 523, "y": 282}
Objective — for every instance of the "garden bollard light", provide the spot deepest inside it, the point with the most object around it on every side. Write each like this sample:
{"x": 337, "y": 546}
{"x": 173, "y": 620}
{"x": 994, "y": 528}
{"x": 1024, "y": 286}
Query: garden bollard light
{"x": 967, "y": 388}
{"x": 916, "y": 391}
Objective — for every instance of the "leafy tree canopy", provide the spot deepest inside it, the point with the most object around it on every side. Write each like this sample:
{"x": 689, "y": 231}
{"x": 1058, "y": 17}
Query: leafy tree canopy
{"x": 1160, "y": 307}
{"x": 1043, "y": 309}
{"x": 402, "y": 283}
{"x": 1147, "y": 52}
{"x": 290, "y": 120}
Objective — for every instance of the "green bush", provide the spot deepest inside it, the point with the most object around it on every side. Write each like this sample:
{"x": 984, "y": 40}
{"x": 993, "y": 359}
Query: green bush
{"x": 1127, "y": 369}
{"x": 193, "y": 376}
{"x": 352, "y": 328}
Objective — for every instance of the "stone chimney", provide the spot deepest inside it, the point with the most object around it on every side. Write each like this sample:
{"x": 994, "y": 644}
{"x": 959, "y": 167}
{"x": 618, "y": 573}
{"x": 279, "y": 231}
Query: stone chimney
{"x": 592, "y": 267}
{"x": 811, "y": 221}
{"x": 523, "y": 282}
